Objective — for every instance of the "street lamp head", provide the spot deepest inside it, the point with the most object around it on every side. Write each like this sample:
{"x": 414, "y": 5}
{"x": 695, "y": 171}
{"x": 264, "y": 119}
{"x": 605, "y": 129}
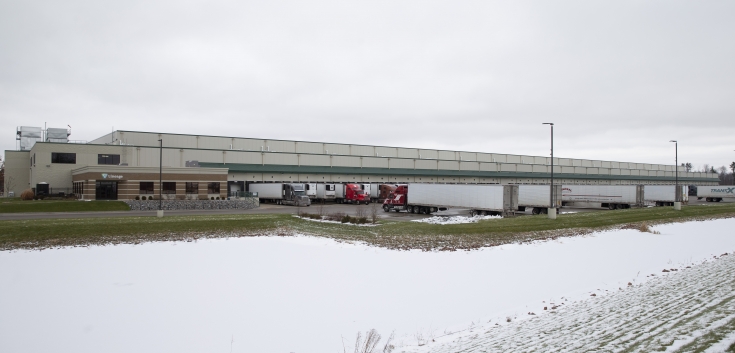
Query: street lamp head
{"x": 547, "y": 123}
{"x": 672, "y": 141}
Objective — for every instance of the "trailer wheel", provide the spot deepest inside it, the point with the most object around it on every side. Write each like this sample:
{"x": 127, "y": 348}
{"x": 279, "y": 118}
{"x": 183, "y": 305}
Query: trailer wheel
{"x": 386, "y": 208}
{"x": 473, "y": 213}
{"x": 611, "y": 206}
{"x": 536, "y": 210}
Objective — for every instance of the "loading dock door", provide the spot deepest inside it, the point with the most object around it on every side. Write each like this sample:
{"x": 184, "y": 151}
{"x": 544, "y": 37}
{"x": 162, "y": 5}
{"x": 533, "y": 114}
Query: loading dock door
{"x": 106, "y": 190}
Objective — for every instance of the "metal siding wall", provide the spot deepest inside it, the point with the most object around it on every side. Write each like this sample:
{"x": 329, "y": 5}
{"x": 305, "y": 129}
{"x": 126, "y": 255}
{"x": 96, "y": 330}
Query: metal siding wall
{"x": 426, "y": 164}
{"x": 500, "y": 158}
{"x": 332, "y": 148}
{"x": 360, "y": 150}
{"x": 346, "y": 161}
{"x": 171, "y": 158}
{"x": 448, "y": 165}
{"x": 281, "y": 146}
{"x": 525, "y": 168}
{"x": 312, "y": 159}
{"x": 386, "y": 151}
{"x": 217, "y": 143}
{"x": 540, "y": 169}
{"x": 513, "y": 159}
{"x": 447, "y": 155}
{"x": 468, "y": 156}
{"x": 281, "y": 158}
{"x": 563, "y": 161}
{"x": 586, "y": 163}
{"x": 593, "y": 171}
{"x": 248, "y": 144}
{"x": 580, "y": 170}
{"x": 541, "y": 160}
{"x": 181, "y": 141}
{"x": 407, "y": 153}
{"x": 429, "y": 154}
{"x": 484, "y": 157}
{"x": 243, "y": 157}
{"x": 605, "y": 171}
{"x": 374, "y": 162}
{"x": 508, "y": 167}
{"x": 474, "y": 166}
{"x": 489, "y": 167}
{"x": 203, "y": 156}
{"x": 569, "y": 170}
{"x": 401, "y": 163}
{"x": 615, "y": 171}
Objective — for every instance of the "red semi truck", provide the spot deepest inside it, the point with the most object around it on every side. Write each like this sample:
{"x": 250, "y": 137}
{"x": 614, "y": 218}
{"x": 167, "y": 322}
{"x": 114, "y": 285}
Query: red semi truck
{"x": 351, "y": 193}
{"x": 397, "y": 200}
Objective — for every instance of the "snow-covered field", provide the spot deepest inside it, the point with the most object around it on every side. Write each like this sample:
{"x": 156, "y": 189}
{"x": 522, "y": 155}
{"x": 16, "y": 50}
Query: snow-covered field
{"x": 304, "y": 294}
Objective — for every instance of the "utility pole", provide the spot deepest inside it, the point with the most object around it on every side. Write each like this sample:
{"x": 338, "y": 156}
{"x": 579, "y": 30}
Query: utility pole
{"x": 552, "y": 209}
{"x": 677, "y": 191}
{"x": 160, "y": 179}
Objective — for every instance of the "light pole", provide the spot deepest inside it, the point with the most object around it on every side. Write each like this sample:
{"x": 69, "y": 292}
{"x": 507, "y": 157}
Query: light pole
{"x": 677, "y": 203}
{"x": 552, "y": 210}
{"x": 160, "y": 179}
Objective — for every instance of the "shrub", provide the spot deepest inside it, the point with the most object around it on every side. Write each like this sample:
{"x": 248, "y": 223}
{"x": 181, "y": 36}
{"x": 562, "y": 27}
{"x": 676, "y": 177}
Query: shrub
{"x": 217, "y": 197}
{"x": 137, "y": 197}
{"x": 212, "y": 198}
{"x": 27, "y": 195}
{"x": 345, "y": 219}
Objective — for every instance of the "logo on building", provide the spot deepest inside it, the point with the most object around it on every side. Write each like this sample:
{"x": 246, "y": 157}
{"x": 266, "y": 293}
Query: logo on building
{"x": 111, "y": 176}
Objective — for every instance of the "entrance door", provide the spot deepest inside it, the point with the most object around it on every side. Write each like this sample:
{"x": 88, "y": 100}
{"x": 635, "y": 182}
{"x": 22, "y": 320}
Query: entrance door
{"x": 106, "y": 190}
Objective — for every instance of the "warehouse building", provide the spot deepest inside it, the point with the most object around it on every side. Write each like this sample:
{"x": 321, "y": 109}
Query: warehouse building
{"x": 124, "y": 165}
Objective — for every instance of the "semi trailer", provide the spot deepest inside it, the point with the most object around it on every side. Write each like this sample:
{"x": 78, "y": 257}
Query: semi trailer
{"x": 379, "y": 192}
{"x": 537, "y": 197}
{"x": 281, "y": 193}
{"x": 479, "y": 199}
{"x": 310, "y": 189}
{"x": 610, "y": 196}
{"x": 325, "y": 192}
{"x": 664, "y": 195}
{"x": 715, "y": 193}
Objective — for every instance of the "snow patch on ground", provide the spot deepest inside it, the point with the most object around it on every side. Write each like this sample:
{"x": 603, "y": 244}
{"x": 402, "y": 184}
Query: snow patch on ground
{"x": 335, "y": 222}
{"x": 306, "y": 294}
{"x": 454, "y": 219}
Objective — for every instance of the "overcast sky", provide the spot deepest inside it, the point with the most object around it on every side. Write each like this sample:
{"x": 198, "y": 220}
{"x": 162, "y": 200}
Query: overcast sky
{"x": 619, "y": 78}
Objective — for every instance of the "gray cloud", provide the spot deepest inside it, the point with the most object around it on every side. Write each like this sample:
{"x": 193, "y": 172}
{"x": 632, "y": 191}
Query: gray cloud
{"x": 619, "y": 79}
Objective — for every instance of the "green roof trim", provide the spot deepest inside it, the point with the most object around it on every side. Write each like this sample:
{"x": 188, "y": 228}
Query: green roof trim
{"x": 275, "y": 168}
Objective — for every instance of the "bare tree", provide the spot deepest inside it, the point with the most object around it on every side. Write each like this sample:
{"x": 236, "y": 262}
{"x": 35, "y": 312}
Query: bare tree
{"x": 372, "y": 338}
{"x": 9, "y": 184}
{"x": 374, "y": 213}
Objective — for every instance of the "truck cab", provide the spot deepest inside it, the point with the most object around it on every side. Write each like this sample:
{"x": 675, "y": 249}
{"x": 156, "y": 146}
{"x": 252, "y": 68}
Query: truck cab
{"x": 397, "y": 199}
{"x": 295, "y": 194}
{"x": 355, "y": 194}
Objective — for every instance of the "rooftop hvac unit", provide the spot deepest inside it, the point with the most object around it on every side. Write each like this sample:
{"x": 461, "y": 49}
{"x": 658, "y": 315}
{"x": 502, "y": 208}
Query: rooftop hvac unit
{"x": 194, "y": 164}
{"x": 57, "y": 135}
{"x": 28, "y": 136}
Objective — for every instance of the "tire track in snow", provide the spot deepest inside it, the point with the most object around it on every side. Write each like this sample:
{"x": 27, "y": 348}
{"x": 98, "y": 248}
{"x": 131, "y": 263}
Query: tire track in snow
{"x": 685, "y": 311}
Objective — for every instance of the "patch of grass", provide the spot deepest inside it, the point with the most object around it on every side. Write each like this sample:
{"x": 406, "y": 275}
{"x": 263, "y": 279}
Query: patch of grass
{"x": 32, "y": 234}
{"x": 14, "y": 206}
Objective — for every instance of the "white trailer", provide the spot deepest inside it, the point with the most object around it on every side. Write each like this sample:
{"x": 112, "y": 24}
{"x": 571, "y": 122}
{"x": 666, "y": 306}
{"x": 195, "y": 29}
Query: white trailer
{"x": 610, "y": 196}
{"x": 715, "y": 193}
{"x": 325, "y": 192}
{"x": 664, "y": 195}
{"x": 537, "y": 197}
{"x": 480, "y": 199}
{"x": 280, "y": 193}
{"x": 310, "y": 190}
{"x": 367, "y": 188}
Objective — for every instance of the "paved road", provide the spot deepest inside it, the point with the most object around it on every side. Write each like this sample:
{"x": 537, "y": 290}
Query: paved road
{"x": 279, "y": 209}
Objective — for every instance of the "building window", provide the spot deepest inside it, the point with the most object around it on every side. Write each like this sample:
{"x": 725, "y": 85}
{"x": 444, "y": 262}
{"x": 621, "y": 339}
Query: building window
{"x": 213, "y": 188}
{"x": 66, "y": 158}
{"x": 78, "y": 187}
{"x": 169, "y": 187}
{"x": 146, "y": 187}
{"x": 112, "y": 159}
{"x": 192, "y": 188}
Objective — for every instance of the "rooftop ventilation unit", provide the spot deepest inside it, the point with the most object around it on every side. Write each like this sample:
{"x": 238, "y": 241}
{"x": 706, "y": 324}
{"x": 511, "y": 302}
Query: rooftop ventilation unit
{"x": 57, "y": 135}
{"x": 28, "y": 136}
